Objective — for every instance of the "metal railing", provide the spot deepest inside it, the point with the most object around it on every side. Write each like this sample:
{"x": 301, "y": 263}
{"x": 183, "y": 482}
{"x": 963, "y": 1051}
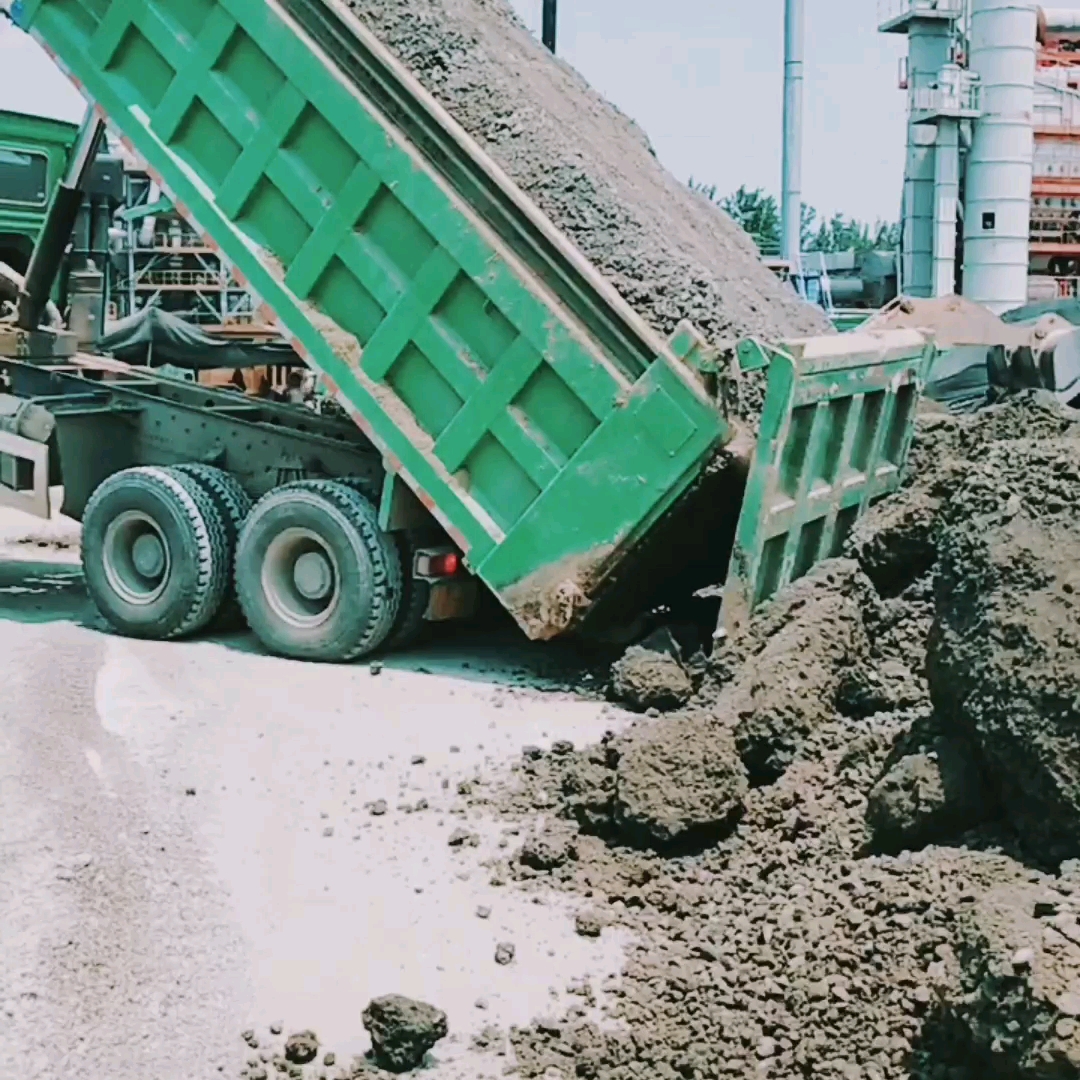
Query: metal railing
{"x": 186, "y": 278}
{"x": 167, "y": 241}
{"x": 888, "y": 10}
{"x": 1043, "y": 287}
{"x": 1054, "y": 226}
{"x": 957, "y": 99}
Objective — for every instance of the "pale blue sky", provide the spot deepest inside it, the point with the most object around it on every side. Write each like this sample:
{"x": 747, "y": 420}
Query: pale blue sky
{"x": 702, "y": 77}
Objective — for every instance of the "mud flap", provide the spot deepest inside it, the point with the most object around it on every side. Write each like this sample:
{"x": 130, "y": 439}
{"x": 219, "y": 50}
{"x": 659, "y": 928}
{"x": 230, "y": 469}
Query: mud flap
{"x": 24, "y": 475}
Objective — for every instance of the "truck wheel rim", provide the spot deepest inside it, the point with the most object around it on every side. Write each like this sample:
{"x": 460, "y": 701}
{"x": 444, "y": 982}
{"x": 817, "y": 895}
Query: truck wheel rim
{"x": 300, "y": 578}
{"x": 135, "y": 557}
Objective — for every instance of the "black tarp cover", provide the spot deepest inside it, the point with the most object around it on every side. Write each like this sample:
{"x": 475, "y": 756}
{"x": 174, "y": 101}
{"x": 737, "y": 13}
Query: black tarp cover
{"x": 155, "y": 337}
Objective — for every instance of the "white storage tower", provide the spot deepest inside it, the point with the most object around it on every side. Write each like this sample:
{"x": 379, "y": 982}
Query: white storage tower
{"x": 998, "y": 184}
{"x": 970, "y": 77}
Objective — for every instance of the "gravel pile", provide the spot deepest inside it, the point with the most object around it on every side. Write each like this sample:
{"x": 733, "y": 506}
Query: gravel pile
{"x": 842, "y": 859}
{"x": 667, "y": 250}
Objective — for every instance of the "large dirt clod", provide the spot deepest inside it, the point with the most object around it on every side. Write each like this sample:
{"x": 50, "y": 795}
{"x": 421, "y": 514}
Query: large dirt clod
{"x": 651, "y": 675}
{"x": 785, "y": 671}
{"x": 548, "y": 850}
{"x": 402, "y": 1031}
{"x": 671, "y": 253}
{"x": 894, "y": 543}
{"x": 927, "y": 797}
{"x": 1004, "y": 658}
{"x": 678, "y": 782}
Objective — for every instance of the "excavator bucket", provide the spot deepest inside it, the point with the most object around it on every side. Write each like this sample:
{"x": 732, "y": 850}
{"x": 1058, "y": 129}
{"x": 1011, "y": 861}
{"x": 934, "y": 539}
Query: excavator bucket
{"x": 835, "y": 433}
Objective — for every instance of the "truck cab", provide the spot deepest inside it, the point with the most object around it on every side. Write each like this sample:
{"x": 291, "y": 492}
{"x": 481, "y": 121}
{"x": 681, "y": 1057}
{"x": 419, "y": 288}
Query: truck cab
{"x": 33, "y": 153}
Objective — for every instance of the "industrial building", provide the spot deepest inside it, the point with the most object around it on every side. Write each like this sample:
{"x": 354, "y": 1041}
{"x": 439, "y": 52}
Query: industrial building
{"x": 991, "y": 195}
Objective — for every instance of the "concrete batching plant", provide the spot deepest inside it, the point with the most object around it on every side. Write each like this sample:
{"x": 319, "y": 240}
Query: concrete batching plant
{"x": 993, "y": 149}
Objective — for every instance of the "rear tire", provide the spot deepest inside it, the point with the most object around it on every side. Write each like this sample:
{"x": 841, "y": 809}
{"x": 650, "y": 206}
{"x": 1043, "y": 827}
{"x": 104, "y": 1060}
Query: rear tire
{"x": 415, "y": 593}
{"x": 410, "y": 624}
{"x": 154, "y": 553}
{"x": 233, "y": 504}
{"x": 232, "y": 501}
{"x": 315, "y": 575}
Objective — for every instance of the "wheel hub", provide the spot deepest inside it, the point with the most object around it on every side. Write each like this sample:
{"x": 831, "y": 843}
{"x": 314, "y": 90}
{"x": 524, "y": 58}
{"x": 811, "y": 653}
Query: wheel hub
{"x": 148, "y": 555}
{"x": 135, "y": 557}
{"x": 313, "y": 576}
{"x": 300, "y": 578}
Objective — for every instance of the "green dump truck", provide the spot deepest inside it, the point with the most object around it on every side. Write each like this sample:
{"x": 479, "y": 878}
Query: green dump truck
{"x": 511, "y": 422}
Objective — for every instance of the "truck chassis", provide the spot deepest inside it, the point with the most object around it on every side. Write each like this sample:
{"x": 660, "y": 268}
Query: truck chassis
{"x": 197, "y": 501}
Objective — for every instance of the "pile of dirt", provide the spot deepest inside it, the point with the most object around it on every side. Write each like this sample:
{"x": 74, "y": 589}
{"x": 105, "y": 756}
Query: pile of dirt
{"x": 974, "y": 563}
{"x": 1020, "y": 979}
{"x": 840, "y": 859}
{"x": 669, "y": 252}
{"x": 782, "y": 949}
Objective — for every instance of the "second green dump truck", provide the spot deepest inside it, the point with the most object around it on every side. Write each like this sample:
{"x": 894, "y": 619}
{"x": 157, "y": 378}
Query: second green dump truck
{"x": 513, "y": 423}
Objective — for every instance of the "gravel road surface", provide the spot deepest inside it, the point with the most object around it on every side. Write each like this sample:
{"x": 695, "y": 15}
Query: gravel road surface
{"x": 197, "y": 839}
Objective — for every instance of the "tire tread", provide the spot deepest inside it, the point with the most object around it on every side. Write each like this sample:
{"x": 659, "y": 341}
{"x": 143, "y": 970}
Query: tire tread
{"x": 206, "y": 532}
{"x": 362, "y": 517}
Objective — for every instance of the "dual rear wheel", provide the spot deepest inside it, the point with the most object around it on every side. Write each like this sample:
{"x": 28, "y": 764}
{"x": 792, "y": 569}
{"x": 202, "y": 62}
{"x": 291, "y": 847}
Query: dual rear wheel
{"x": 165, "y": 550}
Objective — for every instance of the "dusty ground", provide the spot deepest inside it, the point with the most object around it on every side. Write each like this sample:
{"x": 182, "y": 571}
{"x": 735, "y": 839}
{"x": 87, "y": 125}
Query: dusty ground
{"x": 192, "y": 845}
{"x": 851, "y": 853}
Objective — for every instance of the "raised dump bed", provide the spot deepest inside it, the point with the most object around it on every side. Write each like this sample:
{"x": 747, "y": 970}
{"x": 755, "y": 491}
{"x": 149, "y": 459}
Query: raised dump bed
{"x": 534, "y": 415}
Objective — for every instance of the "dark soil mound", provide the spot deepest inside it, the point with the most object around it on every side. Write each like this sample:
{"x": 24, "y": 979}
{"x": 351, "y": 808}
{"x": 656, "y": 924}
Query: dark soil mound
{"x": 820, "y": 933}
{"x": 1004, "y": 660}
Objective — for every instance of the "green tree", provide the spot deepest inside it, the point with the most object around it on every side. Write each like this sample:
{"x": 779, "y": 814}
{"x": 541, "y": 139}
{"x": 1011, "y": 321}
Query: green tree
{"x": 759, "y": 214}
{"x": 840, "y": 233}
{"x": 755, "y": 211}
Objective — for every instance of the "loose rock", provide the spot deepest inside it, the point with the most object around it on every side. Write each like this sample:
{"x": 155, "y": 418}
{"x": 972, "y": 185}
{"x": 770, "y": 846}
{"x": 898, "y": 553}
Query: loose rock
{"x": 588, "y": 924}
{"x": 301, "y": 1047}
{"x": 402, "y": 1031}
{"x": 460, "y": 838}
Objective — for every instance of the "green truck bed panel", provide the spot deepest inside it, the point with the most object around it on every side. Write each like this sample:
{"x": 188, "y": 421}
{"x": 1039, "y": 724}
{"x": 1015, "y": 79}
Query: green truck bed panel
{"x": 532, "y": 411}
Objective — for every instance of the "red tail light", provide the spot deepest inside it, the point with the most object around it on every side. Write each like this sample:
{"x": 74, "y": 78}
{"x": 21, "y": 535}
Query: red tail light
{"x": 438, "y": 564}
{"x": 445, "y": 565}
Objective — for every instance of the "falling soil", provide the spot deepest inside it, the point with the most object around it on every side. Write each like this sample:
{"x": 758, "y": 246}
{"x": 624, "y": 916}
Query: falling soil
{"x": 840, "y": 859}
{"x": 669, "y": 252}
